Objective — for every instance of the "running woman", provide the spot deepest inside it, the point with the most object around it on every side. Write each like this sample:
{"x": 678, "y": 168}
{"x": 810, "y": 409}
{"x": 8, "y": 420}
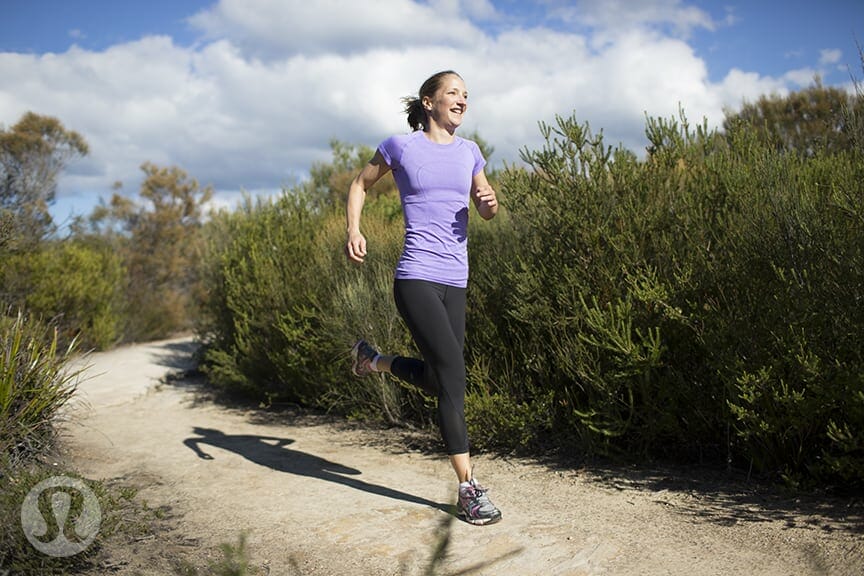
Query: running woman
{"x": 437, "y": 173}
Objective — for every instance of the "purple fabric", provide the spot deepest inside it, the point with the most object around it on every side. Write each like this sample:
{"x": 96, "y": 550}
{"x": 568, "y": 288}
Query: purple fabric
{"x": 434, "y": 182}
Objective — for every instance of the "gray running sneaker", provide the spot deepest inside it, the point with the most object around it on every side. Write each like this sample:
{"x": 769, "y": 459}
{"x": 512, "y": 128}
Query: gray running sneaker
{"x": 475, "y": 507}
{"x": 362, "y": 355}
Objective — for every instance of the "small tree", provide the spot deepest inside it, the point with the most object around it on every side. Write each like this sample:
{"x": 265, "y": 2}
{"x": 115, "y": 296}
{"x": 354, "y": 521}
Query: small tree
{"x": 804, "y": 122}
{"x": 32, "y": 154}
{"x": 159, "y": 239}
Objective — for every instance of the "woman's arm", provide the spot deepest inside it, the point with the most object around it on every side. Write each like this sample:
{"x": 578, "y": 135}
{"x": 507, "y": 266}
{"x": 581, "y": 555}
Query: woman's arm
{"x": 484, "y": 196}
{"x": 373, "y": 171}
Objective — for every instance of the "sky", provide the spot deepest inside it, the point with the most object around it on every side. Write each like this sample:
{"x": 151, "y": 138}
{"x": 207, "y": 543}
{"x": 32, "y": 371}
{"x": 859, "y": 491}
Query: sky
{"x": 246, "y": 95}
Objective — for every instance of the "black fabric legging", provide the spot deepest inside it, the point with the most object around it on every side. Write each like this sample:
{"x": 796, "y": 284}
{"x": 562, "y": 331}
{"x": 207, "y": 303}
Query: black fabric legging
{"x": 435, "y": 316}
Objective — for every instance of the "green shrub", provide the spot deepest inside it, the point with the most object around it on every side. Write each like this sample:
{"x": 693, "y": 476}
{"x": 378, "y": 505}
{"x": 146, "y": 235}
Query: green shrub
{"x": 76, "y": 286}
{"x": 35, "y": 382}
{"x": 703, "y": 303}
{"x": 284, "y": 307}
{"x": 498, "y": 422}
{"x": 716, "y": 284}
{"x": 261, "y": 296}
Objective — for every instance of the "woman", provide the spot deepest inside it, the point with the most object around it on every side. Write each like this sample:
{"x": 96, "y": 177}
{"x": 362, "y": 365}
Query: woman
{"x": 436, "y": 173}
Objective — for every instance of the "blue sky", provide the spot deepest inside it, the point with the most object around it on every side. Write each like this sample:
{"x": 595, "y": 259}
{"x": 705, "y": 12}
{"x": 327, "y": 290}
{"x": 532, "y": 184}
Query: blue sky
{"x": 764, "y": 35}
{"x": 246, "y": 94}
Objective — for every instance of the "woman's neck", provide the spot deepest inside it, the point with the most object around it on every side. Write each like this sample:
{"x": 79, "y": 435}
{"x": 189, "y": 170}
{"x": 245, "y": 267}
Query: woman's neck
{"x": 439, "y": 134}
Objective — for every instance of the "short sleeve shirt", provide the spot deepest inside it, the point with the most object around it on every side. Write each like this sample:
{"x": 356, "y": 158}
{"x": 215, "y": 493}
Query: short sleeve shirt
{"x": 434, "y": 182}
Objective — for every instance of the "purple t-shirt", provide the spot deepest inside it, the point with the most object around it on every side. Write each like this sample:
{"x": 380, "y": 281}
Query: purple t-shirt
{"x": 434, "y": 182}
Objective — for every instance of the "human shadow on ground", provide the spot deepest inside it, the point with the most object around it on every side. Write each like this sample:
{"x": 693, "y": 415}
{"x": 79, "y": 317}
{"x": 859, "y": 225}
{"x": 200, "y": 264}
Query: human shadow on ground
{"x": 273, "y": 453}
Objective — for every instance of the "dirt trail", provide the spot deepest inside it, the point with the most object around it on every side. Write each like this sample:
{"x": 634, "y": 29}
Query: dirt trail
{"x": 316, "y": 497}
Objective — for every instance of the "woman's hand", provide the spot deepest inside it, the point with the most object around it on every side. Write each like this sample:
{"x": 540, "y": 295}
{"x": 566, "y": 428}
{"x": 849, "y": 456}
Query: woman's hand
{"x": 486, "y": 196}
{"x": 355, "y": 249}
{"x": 486, "y": 200}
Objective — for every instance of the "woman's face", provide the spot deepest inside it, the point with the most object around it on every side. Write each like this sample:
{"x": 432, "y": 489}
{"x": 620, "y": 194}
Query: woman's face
{"x": 450, "y": 102}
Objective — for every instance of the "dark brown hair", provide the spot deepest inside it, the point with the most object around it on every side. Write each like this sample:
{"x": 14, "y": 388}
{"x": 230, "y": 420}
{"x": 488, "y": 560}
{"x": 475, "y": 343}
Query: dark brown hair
{"x": 417, "y": 119}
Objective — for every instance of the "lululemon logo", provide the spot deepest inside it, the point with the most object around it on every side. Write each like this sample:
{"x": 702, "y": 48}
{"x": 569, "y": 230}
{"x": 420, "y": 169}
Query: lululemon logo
{"x": 65, "y": 520}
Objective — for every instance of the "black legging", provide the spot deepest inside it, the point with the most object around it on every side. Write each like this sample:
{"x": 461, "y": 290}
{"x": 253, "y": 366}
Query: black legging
{"x": 435, "y": 316}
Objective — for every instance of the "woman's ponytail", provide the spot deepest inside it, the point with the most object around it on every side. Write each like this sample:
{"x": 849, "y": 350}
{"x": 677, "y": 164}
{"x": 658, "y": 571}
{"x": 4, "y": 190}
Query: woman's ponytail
{"x": 416, "y": 114}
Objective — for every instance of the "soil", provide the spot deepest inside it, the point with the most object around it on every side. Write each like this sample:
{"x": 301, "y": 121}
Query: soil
{"x": 315, "y": 495}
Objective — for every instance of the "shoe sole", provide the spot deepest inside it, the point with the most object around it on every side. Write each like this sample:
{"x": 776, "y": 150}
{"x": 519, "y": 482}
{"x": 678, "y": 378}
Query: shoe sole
{"x": 479, "y": 521}
{"x": 355, "y": 353}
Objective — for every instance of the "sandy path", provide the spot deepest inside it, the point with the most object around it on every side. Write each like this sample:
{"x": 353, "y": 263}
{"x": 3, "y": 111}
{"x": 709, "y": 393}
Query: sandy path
{"x": 317, "y": 498}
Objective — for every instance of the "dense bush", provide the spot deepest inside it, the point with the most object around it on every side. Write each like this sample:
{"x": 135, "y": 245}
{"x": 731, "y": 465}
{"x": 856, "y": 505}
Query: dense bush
{"x": 76, "y": 286}
{"x": 715, "y": 285}
{"x": 258, "y": 290}
{"x": 702, "y": 303}
{"x": 283, "y": 307}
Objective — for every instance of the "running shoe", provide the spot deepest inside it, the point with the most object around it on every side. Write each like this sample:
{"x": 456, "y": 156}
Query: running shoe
{"x": 475, "y": 507}
{"x": 362, "y": 354}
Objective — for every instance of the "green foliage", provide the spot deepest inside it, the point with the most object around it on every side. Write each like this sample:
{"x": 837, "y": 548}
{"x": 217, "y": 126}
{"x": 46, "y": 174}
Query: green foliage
{"x": 261, "y": 311}
{"x": 788, "y": 301}
{"x": 805, "y": 122}
{"x": 587, "y": 302}
{"x": 703, "y": 303}
{"x": 844, "y": 461}
{"x": 281, "y": 312}
{"x": 7, "y": 221}
{"x": 710, "y": 286}
{"x": 497, "y": 421}
{"x": 158, "y": 237}
{"x": 77, "y": 286}
{"x": 329, "y": 180}
{"x": 853, "y": 112}
{"x": 35, "y": 383}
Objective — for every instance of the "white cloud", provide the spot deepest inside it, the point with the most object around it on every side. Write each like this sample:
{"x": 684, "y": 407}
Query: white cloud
{"x": 739, "y": 87}
{"x": 613, "y": 19}
{"x": 283, "y": 28}
{"x": 801, "y": 77}
{"x": 258, "y": 102}
{"x": 831, "y": 56}
{"x": 480, "y": 9}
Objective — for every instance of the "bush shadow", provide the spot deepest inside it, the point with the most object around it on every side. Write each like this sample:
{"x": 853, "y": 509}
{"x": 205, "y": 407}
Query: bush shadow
{"x": 179, "y": 354}
{"x": 724, "y": 496}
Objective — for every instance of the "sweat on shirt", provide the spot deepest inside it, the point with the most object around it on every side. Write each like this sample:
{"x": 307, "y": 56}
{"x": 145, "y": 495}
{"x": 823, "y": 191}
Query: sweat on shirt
{"x": 434, "y": 182}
